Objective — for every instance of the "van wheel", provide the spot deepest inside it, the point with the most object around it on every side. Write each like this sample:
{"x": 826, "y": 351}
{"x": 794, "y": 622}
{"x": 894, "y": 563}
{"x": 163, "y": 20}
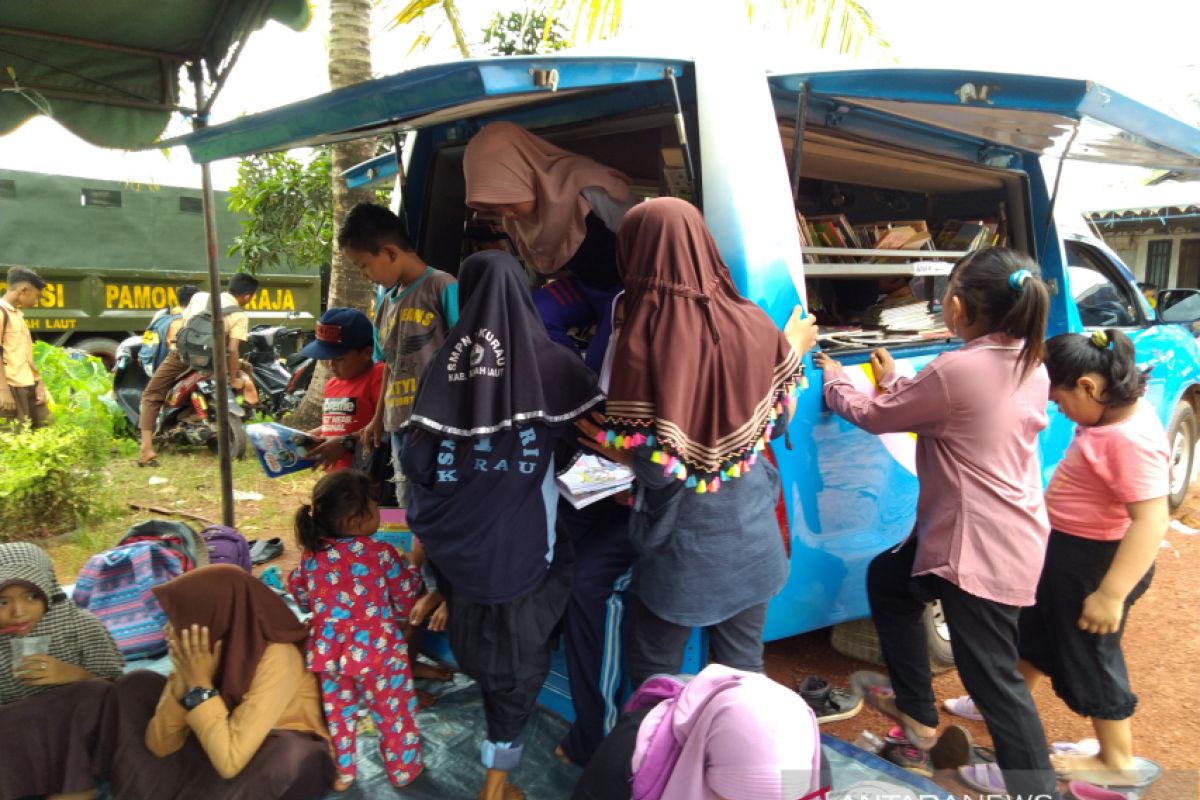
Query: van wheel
{"x": 1181, "y": 433}
{"x": 101, "y": 348}
{"x": 937, "y": 638}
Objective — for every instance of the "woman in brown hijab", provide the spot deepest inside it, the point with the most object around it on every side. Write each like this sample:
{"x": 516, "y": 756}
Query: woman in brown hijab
{"x": 701, "y": 380}
{"x": 238, "y": 717}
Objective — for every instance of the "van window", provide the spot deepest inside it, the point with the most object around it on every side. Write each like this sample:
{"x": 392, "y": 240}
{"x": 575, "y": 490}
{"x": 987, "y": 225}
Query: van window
{"x": 1103, "y": 300}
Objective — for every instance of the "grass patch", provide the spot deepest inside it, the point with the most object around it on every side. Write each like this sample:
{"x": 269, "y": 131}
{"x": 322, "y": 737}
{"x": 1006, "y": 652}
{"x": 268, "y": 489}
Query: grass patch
{"x": 193, "y": 485}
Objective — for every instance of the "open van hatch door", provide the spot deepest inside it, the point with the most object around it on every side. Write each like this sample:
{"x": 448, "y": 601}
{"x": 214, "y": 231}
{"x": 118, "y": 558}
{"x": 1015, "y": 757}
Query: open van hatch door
{"x": 1000, "y": 112}
{"x": 419, "y": 98}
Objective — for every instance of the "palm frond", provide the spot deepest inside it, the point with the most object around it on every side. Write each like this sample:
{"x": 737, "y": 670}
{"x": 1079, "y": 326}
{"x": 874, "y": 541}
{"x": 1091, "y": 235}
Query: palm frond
{"x": 415, "y": 10}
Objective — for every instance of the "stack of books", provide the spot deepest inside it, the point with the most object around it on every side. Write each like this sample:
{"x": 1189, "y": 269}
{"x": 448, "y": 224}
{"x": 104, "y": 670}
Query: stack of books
{"x": 910, "y": 317}
{"x": 592, "y": 478}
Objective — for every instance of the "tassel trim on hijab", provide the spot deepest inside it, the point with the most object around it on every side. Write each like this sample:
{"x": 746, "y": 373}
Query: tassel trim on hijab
{"x": 627, "y": 433}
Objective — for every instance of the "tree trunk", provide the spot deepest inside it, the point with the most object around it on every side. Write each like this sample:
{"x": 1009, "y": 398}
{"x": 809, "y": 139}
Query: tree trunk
{"x": 349, "y": 63}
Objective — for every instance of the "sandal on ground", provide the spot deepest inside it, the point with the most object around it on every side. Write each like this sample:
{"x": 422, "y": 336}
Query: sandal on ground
{"x": 963, "y": 707}
{"x": 1143, "y": 773}
{"x": 1082, "y": 790}
{"x": 909, "y": 758}
{"x": 954, "y": 749}
{"x": 828, "y": 703}
{"x": 263, "y": 550}
{"x": 151, "y": 463}
{"x": 986, "y": 778}
{"x": 876, "y": 691}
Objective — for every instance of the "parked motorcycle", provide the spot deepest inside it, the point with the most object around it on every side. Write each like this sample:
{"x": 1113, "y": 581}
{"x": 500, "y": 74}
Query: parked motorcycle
{"x": 279, "y": 372}
{"x": 188, "y": 414}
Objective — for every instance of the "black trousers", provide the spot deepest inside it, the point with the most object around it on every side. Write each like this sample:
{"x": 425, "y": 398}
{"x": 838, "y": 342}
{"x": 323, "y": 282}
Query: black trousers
{"x": 592, "y": 625}
{"x": 656, "y": 646}
{"x": 983, "y": 636}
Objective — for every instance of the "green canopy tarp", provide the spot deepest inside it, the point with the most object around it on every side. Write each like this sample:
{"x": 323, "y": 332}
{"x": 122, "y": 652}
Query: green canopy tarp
{"x": 108, "y": 70}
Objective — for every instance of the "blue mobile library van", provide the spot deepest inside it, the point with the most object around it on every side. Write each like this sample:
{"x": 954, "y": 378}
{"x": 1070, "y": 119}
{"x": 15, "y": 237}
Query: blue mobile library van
{"x": 855, "y": 149}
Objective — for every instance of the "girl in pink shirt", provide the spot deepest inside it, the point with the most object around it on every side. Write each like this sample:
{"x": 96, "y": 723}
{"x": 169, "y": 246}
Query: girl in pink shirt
{"x": 1109, "y": 510}
{"x": 981, "y": 527}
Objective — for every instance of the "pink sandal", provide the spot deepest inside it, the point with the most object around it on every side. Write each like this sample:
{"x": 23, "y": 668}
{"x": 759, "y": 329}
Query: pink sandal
{"x": 876, "y": 687}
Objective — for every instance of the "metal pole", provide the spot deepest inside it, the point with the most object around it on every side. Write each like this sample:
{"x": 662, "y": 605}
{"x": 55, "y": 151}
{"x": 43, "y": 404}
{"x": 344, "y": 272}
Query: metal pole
{"x": 798, "y": 140}
{"x": 220, "y": 346}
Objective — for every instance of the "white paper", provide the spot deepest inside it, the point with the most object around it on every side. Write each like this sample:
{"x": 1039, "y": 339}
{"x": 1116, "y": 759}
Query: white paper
{"x": 240, "y": 495}
{"x": 1176, "y": 525}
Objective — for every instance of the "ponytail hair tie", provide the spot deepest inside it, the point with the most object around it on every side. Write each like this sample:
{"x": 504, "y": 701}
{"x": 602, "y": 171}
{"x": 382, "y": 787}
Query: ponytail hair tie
{"x": 1016, "y": 281}
{"x": 1100, "y": 339}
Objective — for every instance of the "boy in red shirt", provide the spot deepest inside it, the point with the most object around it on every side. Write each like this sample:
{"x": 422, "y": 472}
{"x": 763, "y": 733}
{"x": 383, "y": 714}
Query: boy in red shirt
{"x": 345, "y": 338}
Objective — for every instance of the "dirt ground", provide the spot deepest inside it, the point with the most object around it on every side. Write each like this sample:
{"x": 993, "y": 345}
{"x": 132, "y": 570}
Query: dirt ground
{"x": 1162, "y": 649}
{"x": 1162, "y": 641}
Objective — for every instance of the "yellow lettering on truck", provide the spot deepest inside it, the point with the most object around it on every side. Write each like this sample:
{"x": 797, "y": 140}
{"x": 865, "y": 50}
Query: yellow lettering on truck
{"x": 281, "y": 300}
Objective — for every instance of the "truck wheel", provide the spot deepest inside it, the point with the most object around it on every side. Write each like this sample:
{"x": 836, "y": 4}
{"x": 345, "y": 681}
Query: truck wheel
{"x": 1181, "y": 434}
{"x": 937, "y": 637}
{"x": 101, "y": 348}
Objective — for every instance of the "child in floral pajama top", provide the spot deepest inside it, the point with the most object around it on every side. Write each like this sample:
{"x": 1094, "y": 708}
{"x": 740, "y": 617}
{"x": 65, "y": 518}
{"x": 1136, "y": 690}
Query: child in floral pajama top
{"x": 358, "y": 590}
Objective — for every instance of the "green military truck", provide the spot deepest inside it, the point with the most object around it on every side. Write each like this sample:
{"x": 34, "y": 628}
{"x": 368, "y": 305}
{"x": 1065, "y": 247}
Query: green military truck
{"x": 113, "y": 253}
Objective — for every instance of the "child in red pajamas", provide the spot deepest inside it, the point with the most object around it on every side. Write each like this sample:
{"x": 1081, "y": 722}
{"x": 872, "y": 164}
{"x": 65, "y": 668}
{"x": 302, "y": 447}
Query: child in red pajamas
{"x": 358, "y": 590}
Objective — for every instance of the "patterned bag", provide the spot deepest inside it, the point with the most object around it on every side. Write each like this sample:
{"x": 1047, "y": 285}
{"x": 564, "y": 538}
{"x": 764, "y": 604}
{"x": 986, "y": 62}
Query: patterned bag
{"x": 116, "y": 586}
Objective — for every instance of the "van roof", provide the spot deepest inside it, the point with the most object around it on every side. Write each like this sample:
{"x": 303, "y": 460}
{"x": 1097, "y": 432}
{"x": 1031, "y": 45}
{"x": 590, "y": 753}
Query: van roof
{"x": 987, "y": 111}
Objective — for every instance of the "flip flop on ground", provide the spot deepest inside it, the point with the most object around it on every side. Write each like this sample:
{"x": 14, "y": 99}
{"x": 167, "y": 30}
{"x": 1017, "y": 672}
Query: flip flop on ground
{"x": 1082, "y": 790}
{"x": 876, "y": 690}
{"x": 963, "y": 707}
{"x": 954, "y": 749}
{"x": 986, "y": 778}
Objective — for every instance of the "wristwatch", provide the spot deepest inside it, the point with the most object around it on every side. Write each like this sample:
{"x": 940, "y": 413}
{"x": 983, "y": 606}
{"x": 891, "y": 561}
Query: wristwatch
{"x": 196, "y": 695}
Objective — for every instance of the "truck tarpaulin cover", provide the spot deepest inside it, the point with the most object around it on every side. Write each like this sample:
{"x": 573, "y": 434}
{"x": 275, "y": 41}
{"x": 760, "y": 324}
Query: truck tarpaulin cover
{"x": 109, "y": 71}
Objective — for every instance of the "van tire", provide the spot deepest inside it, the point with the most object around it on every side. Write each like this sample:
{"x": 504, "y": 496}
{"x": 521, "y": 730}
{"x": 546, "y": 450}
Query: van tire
{"x": 937, "y": 638}
{"x": 100, "y": 347}
{"x": 1181, "y": 437}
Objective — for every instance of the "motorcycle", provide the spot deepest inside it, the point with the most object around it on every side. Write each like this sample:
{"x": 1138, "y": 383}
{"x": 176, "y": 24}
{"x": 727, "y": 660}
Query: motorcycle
{"x": 188, "y": 414}
{"x": 279, "y": 372}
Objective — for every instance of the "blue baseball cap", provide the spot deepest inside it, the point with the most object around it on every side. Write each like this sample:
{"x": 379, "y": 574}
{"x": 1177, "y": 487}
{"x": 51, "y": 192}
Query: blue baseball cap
{"x": 339, "y": 331}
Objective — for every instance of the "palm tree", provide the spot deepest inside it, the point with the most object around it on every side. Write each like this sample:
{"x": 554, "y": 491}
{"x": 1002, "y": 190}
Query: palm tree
{"x": 349, "y": 63}
{"x": 845, "y": 23}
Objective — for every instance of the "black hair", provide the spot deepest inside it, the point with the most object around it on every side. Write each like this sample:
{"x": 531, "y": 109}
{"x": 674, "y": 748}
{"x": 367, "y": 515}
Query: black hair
{"x": 1003, "y": 288}
{"x": 370, "y": 226}
{"x": 1107, "y": 353}
{"x": 185, "y": 293}
{"x": 243, "y": 283}
{"x": 338, "y": 497}
{"x": 18, "y": 275}
{"x": 1143, "y": 285}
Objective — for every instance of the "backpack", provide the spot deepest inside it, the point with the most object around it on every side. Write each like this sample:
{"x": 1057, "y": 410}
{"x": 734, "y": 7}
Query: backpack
{"x": 154, "y": 341}
{"x": 115, "y": 586}
{"x": 226, "y": 546}
{"x": 194, "y": 344}
{"x": 177, "y": 537}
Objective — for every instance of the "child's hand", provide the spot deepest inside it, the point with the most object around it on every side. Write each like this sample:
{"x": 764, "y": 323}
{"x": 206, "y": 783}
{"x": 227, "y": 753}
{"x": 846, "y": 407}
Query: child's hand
{"x": 439, "y": 619}
{"x": 830, "y": 369}
{"x": 591, "y": 430}
{"x": 425, "y": 607}
{"x": 1102, "y": 613}
{"x": 372, "y": 434}
{"x": 195, "y": 658}
{"x": 328, "y": 451}
{"x": 883, "y": 365}
{"x": 46, "y": 670}
{"x": 801, "y": 331}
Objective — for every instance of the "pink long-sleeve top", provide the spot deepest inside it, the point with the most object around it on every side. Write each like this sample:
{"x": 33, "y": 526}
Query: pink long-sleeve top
{"x": 981, "y": 518}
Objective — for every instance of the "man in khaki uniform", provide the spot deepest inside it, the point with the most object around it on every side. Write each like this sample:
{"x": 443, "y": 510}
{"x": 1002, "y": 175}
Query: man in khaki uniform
{"x": 22, "y": 393}
{"x": 242, "y": 288}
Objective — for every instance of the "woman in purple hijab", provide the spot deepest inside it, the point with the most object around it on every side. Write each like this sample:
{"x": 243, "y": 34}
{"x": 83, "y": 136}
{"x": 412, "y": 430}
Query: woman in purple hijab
{"x": 722, "y": 735}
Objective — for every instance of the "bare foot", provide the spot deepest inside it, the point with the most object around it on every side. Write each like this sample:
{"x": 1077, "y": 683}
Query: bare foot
{"x": 426, "y": 699}
{"x": 1093, "y": 770}
{"x": 562, "y": 755}
{"x": 926, "y": 736}
{"x": 343, "y": 783}
{"x": 433, "y": 672}
{"x": 507, "y": 792}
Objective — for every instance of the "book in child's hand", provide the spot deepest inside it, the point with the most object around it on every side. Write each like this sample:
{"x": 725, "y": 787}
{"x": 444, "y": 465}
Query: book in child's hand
{"x": 593, "y": 478}
{"x": 281, "y": 450}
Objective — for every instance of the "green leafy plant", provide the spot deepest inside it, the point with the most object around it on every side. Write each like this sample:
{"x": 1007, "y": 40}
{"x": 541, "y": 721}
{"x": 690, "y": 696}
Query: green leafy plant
{"x": 52, "y": 477}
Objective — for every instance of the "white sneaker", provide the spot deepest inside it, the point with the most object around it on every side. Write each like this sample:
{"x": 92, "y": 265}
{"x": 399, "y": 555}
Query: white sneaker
{"x": 963, "y": 707}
